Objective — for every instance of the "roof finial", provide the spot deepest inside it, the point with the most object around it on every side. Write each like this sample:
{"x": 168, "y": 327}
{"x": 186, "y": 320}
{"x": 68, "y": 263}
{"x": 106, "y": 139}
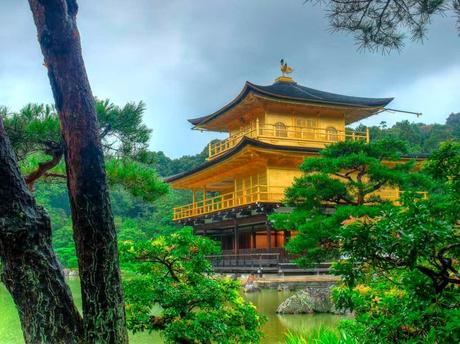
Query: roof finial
{"x": 285, "y": 70}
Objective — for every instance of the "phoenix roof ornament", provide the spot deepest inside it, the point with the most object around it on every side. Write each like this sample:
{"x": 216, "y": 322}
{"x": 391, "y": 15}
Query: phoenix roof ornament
{"x": 285, "y": 69}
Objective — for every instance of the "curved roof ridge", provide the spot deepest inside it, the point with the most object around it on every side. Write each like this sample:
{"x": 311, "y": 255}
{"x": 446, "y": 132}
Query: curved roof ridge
{"x": 235, "y": 101}
{"x": 296, "y": 92}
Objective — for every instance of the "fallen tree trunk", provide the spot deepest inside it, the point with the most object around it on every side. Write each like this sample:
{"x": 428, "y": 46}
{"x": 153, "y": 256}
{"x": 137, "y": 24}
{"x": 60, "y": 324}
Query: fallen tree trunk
{"x": 31, "y": 271}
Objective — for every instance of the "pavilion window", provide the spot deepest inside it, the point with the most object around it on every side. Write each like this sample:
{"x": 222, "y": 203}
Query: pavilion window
{"x": 305, "y": 128}
{"x": 280, "y": 129}
{"x": 331, "y": 134}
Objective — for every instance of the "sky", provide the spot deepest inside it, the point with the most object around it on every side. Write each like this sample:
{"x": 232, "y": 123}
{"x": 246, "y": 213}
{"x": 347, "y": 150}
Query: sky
{"x": 186, "y": 59}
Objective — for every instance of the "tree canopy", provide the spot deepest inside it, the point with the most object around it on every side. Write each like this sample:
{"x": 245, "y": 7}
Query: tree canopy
{"x": 420, "y": 137}
{"x": 38, "y": 144}
{"x": 400, "y": 270}
{"x": 384, "y": 24}
{"x": 196, "y": 306}
{"x": 348, "y": 179}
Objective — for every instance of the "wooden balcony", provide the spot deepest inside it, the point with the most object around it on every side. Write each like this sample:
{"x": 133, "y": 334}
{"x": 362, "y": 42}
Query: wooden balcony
{"x": 254, "y": 194}
{"x": 287, "y": 135}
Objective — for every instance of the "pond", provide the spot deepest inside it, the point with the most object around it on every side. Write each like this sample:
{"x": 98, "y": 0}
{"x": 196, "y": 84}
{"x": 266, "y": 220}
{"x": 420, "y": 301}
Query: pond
{"x": 266, "y": 302}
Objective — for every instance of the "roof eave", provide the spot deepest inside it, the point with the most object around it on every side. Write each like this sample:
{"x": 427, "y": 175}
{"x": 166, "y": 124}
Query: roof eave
{"x": 246, "y": 141}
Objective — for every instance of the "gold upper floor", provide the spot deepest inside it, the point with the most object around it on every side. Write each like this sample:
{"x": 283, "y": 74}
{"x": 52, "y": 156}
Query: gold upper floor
{"x": 289, "y": 130}
{"x": 288, "y": 114}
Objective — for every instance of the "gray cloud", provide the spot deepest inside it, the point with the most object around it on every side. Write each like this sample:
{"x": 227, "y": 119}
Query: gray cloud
{"x": 188, "y": 58}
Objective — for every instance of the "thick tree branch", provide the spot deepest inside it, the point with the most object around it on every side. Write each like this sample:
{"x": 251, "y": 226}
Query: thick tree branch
{"x": 42, "y": 169}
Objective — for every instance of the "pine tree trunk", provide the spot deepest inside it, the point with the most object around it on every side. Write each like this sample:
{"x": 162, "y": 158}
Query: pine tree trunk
{"x": 94, "y": 230}
{"x": 30, "y": 269}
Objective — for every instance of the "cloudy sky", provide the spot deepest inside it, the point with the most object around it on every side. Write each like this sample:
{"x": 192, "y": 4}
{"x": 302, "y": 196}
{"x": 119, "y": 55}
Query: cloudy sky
{"x": 188, "y": 58}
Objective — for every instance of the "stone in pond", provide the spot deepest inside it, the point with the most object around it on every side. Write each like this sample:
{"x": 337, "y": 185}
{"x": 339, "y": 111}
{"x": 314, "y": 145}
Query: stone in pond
{"x": 308, "y": 300}
{"x": 251, "y": 288}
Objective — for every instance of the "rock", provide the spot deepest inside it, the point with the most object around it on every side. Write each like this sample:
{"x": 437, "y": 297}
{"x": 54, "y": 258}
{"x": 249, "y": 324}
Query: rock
{"x": 283, "y": 287}
{"x": 308, "y": 300}
{"x": 251, "y": 288}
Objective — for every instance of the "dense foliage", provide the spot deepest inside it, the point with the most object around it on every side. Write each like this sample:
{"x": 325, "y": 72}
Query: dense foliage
{"x": 195, "y": 306}
{"x": 169, "y": 167}
{"x": 36, "y": 137}
{"x": 421, "y": 138}
{"x": 135, "y": 218}
{"x": 399, "y": 264}
{"x": 349, "y": 179}
{"x": 401, "y": 274}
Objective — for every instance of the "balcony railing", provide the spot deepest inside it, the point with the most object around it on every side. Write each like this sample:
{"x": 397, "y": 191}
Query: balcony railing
{"x": 254, "y": 194}
{"x": 289, "y": 135}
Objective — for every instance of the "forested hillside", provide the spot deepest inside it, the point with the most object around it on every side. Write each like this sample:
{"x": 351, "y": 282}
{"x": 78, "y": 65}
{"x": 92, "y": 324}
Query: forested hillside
{"x": 422, "y": 138}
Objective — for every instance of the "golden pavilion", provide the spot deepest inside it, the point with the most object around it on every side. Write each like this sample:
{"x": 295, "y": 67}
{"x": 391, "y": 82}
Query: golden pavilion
{"x": 271, "y": 130}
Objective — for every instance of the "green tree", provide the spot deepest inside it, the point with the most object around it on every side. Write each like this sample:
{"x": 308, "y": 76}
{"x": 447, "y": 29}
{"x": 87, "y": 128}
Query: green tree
{"x": 401, "y": 271}
{"x": 342, "y": 183}
{"x": 36, "y": 137}
{"x": 196, "y": 306}
{"x": 383, "y": 24}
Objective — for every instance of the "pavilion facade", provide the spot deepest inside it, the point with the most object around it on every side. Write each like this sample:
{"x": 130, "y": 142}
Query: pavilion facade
{"x": 271, "y": 130}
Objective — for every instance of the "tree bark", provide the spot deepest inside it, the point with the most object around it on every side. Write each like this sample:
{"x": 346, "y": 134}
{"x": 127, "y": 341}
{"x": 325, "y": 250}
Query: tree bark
{"x": 94, "y": 230}
{"x": 30, "y": 269}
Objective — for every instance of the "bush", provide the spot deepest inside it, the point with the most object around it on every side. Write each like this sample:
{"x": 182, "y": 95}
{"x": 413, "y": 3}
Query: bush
{"x": 175, "y": 292}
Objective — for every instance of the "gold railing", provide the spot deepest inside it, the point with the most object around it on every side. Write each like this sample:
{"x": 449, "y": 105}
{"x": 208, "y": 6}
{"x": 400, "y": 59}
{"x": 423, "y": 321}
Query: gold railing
{"x": 254, "y": 194}
{"x": 291, "y": 135}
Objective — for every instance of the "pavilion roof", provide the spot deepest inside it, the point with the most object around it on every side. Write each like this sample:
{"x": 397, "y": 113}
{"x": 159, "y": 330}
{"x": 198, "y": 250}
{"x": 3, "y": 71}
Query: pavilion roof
{"x": 289, "y": 90}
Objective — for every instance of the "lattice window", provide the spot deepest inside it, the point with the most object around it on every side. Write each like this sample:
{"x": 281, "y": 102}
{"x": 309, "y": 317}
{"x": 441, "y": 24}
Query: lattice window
{"x": 305, "y": 128}
{"x": 331, "y": 134}
{"x": 280, "y": 129}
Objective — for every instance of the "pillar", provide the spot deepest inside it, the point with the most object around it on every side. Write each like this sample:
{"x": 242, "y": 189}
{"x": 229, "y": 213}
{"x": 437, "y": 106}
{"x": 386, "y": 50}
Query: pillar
{"x": 235, "y": 238}
{"x": 287, "y": 236}
{"x": 269, "y": 235}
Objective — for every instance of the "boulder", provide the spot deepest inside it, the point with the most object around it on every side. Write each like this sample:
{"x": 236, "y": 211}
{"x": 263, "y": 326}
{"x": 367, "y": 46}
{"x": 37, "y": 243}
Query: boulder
{"x": 251, "y": 288}
{"x": 308, "y": 300}
{"x": 283, "y": 287}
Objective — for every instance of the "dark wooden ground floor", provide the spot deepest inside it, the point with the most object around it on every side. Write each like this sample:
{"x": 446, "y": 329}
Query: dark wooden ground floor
{"x": 249, "y": 244}
{"x": 251, "y": 234}
{"x": 248, "y": 241}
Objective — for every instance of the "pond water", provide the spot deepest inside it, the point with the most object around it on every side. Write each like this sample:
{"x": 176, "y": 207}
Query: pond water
{"x": 266, "y": 302}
